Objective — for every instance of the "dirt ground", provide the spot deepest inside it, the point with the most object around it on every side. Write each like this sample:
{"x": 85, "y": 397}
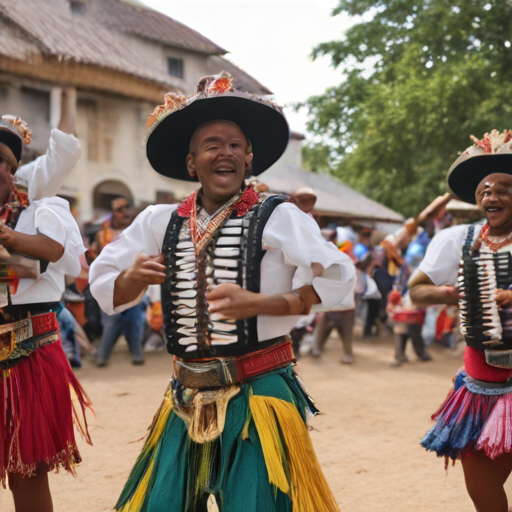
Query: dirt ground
{"x": 366, "y": 438}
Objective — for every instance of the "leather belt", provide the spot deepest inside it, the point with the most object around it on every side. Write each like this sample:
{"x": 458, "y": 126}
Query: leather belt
{"x": 26, "y": 335}
{"x": 220, "y": 373}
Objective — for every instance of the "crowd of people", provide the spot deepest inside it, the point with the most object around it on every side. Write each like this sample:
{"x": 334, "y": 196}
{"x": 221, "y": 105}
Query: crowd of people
{"x": 225, "y": 276}
{"x": 380, "y": 304}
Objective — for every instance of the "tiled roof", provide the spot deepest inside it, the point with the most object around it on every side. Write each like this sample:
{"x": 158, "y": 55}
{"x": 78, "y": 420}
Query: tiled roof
{"x": 33, "y": 28}
{"x": 334, "y": 198}
{"x": 52, "y": 32}
{"x": 145, "y": 22}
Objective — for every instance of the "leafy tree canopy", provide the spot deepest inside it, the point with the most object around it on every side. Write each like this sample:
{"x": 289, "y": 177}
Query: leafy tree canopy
{"x": 421, "y": 76}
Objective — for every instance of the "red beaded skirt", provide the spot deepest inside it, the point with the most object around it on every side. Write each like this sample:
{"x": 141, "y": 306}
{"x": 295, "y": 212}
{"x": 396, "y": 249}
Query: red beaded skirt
{"x": 41, "y": 401}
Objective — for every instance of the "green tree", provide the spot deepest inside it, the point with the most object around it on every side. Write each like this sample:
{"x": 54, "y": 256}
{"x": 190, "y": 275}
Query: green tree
{"x": 420, "y": 76}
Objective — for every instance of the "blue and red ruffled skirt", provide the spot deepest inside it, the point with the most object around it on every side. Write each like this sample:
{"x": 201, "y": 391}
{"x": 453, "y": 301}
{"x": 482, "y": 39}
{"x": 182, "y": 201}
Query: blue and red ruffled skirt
{"x": 476, "y": 415}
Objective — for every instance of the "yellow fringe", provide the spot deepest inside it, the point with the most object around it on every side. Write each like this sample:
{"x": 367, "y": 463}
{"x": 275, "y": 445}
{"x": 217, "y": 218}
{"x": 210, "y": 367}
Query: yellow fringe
{"x": 159, "y": 423}
{"x": 156, "y": 431}
{"x": 290, "y": 447}
{"x": 137, "y": 500}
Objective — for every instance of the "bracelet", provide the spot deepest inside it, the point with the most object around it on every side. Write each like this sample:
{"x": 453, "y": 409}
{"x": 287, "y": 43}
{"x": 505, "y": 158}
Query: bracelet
{"x": 306, "y": 307}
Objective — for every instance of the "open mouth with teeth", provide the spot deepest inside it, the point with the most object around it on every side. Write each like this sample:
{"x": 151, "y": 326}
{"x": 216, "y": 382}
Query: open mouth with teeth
{"x": 224, "y": 170}
{"x": 493, "y": 209}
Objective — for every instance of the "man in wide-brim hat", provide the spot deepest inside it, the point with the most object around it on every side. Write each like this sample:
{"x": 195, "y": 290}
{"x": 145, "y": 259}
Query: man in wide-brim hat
{"x": 470, "y": 265}
{"x": 237, "y": 270}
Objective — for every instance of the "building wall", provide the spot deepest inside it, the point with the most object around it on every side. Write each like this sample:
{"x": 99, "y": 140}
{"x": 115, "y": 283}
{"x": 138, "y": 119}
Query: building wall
{"x": 111, "y": 131}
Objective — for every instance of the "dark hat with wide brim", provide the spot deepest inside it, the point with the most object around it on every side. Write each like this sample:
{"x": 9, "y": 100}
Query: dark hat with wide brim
{"x": 13, "y": 131}
{"x": 10, "y": 147}
{"x": 490, "y": 155}
{"x": 464, "y": 179}
{"x": 261, "y": 122}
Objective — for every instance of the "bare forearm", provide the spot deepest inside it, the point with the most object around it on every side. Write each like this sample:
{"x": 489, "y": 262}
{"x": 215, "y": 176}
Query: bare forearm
{"x": 38, "y": 246}
{"x": 284, "y": 304}
{"x": 429, "y": 294}
{"x": 67, "y": 123}
{"x": 126, "y": 289}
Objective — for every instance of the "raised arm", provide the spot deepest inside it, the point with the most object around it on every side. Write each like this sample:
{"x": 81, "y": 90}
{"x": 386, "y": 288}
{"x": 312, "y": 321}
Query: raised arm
{"x": 46, "y": 174}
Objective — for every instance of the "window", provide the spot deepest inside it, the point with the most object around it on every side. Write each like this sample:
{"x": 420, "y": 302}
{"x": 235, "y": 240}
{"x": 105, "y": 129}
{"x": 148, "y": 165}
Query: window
{"x": 78, "y": 7}
{"x": 175, "y": 67}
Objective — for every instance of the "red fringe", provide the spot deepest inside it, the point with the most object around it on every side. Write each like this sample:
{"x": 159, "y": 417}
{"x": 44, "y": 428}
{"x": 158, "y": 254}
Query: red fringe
{"x": 39, "y": 401}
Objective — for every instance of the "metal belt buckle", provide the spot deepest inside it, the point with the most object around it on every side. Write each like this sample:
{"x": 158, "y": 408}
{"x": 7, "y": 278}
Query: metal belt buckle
{"x": 224, "y": 375}
{"x": 23, "y": 330}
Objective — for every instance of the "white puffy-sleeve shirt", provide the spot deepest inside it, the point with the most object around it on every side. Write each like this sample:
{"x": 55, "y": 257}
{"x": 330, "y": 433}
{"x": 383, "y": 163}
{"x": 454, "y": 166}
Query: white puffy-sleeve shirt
{"x": 441, "y": 262}
{"x": 292, "y": 241}
{"x": 50, "y": 217}
{"x": 46, "y": 174}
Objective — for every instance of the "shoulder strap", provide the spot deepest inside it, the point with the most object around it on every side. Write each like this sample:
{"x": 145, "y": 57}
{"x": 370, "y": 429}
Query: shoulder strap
{"x": 468, "y": 243}
{"x": 255, "y": 253}
{"x": 170, "y": 241}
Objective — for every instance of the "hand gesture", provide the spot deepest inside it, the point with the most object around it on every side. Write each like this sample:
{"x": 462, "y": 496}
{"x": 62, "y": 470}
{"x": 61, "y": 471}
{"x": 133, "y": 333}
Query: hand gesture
{"x": 451, "y": 293}
{"x": 147, "y": 269}
{"x": 503, "y": 298}
{"x": 230, "y": 301}
{"x": 8, "y": 237}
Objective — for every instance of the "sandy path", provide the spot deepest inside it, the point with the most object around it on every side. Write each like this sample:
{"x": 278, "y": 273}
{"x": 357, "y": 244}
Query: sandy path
{"x": 366, "y": 439}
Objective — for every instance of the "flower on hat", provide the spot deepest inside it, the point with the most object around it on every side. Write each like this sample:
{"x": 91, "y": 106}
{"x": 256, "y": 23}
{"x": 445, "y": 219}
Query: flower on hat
{"x": 494, "y": 142}
{"x": 18, "y": 126}
{"x": 206, "y": 87}
{"x": 172, "y": 102}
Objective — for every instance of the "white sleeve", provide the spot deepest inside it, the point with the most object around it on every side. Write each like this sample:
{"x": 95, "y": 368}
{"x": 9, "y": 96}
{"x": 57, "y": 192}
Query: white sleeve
{"x": 120, "y": 254}
{"x": 441, "y": 262}
{"x": 46, "y": 174}
{"x": 298, "y": 237}
{"x": 53, "y": 219}
{"x": 48, "y": 223}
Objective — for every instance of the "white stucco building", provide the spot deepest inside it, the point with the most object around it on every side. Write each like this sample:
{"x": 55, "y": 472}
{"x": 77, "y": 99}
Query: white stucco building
{"x": 121, "y": 57}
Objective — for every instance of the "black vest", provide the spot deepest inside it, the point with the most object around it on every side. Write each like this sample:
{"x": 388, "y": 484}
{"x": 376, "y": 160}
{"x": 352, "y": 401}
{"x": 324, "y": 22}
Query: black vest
{"x": 233, "y": 255}
{"x": 480, "y": 274}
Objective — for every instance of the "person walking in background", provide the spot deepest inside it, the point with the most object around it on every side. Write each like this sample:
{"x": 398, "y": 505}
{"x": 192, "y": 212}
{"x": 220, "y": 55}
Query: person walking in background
{"x": 342, "y": 318}
{"x": 406, "y": 318}
{"x": 130, "y": 322}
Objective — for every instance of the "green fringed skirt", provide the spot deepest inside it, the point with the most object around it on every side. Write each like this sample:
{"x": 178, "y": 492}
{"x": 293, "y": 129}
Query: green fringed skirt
{"x": 262, "y": 462}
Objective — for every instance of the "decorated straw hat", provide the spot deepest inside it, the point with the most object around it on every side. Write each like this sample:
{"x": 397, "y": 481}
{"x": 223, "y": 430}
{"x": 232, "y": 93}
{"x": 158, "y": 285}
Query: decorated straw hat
{"x": 172, "y": 125}
{"x": 490, "y": 155}
{"x": 13, "y": 131}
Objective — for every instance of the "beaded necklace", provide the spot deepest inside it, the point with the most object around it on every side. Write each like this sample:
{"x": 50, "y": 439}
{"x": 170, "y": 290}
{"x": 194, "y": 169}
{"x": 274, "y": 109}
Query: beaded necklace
{"x": 498, "y": 242}
{"x": 188, "y": 208}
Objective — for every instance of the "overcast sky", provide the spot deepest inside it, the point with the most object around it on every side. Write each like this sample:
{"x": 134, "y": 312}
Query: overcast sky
{"x": 270, "y": 39}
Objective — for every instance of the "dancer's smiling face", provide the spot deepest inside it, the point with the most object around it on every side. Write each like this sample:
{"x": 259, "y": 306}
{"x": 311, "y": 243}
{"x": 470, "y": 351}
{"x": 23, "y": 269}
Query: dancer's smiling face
{"x": 494, "y": 198}
{"x": 219, "y": 157}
